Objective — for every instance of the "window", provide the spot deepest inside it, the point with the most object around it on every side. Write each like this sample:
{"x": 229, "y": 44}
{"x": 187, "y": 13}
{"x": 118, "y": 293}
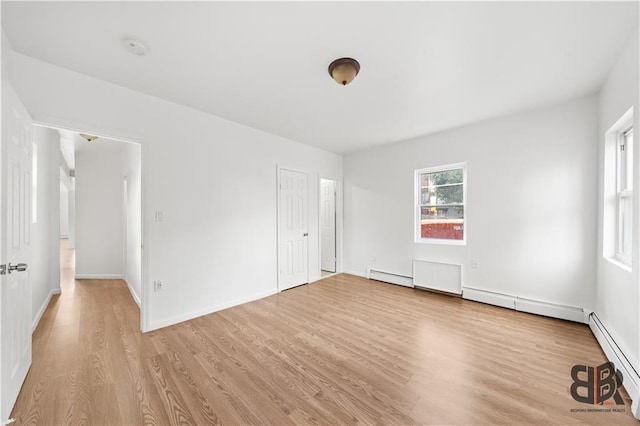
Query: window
{"x": 440, "y": 204}
{"x": 624, "y": 194}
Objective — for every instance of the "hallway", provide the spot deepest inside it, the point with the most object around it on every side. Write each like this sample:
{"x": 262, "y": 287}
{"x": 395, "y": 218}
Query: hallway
{"x": 78, "y": 350}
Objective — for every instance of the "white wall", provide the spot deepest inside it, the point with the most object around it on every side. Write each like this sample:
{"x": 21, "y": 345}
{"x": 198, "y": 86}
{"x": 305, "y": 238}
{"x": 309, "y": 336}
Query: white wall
{"x": 617, "y": 295}
{"x": 99, "y": 210}
{"x": 133, "y": 219}
{"x": 64, "y": 212}
{"x": 45, "y": 263}
{"x": 214, "y": 181}
{"x": 531, "y": 201}
{"x": 7, "y": 59}
{"x": 71, "y": 198}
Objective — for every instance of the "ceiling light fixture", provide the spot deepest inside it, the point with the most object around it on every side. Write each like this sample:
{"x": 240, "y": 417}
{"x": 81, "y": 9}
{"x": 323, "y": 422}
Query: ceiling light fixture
{"x": 136, "y": 46}
{"x": 344, "y": 70}
{"x": 89, "y": 138}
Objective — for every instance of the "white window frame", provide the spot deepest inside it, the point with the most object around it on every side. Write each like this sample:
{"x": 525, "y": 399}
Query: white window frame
{"x": 418, "y": 204}
{"x": 624, "y": 192}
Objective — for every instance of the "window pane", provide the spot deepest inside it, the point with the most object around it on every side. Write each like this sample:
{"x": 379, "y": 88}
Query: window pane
{"x": 442, "y": 222}
{"x": 449, "y": 194}
{"x": 629, "y": 159}
{"x": 442, "y": 212}
{"x": 625, "y": 226}
{"x": 443, "y": 196}
{"x": 425, "y": 196}
{"x": 446, "y": 177}
{"x": 442, "y": 187}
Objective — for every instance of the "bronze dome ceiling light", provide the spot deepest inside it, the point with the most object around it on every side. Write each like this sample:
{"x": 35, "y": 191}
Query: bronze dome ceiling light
{"x": 344, "y": 70}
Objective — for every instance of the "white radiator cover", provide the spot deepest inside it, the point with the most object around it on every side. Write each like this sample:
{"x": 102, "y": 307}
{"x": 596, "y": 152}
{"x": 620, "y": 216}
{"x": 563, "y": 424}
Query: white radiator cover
{"x": 439, "y": 276}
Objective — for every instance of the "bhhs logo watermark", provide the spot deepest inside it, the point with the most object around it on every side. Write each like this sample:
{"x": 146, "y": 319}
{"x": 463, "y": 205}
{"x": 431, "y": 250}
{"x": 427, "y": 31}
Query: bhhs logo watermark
{"x": 597, "y": 386}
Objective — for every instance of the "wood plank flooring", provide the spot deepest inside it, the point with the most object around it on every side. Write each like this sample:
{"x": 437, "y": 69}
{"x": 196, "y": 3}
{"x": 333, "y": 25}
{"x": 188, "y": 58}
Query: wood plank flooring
{"x": 343, "y": 350}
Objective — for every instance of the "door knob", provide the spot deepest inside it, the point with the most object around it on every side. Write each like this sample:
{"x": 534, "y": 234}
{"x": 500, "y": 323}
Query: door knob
{"x": 20, "y": 267}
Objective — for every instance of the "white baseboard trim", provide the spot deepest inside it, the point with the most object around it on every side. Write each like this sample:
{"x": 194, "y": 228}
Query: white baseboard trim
{"x": 43, "y": 308}
{"x": 99, "y": 277}
{"x": 532, "y": 306}
{"x": 133, "y": 293}
{"x": 631, "y": 377}
{"x": 357, "y": 274}
{"x": 314, "y": 279}
{"x": 206, "y": 311}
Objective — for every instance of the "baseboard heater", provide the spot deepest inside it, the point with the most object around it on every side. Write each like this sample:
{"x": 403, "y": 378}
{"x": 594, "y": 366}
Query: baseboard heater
{"x": 522, "y": 304}
{"x": 631, "y": 378}
{"x": 389, "y": 277}
{"x": 427, "y": 275}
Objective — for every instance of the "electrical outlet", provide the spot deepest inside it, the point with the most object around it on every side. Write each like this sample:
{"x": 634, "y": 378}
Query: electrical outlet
{"x": 475, "y": 263}
{"x": 157, "y": 285}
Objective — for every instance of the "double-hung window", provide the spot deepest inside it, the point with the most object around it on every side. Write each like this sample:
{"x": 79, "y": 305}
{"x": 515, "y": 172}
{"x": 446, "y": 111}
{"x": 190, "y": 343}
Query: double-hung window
{"x": 440, "y": 204}
{"x": 624, "y": 193}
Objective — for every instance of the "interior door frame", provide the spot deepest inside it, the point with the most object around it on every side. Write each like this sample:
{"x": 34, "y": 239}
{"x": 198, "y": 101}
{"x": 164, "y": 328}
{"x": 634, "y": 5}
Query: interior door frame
{"x": 278, "y": 214}
{"x": 339, "y": 224}
{"x": 125, "y": 223}
{"x": 145, "y": 286}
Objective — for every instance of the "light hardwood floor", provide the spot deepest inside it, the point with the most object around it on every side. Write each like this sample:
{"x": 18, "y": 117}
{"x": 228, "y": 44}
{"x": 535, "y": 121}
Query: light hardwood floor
{"x": 343, "y": 350}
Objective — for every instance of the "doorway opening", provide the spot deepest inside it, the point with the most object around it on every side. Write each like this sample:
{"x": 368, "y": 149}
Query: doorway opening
{"x": 100, "y": 211}
{"x": 328, "y": 227}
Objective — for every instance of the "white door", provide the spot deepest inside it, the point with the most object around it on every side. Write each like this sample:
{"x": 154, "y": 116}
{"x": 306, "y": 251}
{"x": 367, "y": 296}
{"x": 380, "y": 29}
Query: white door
{"x": 15, "y": 249}
{"x": 328, "y": 225}
{"x": 293, "y": 232}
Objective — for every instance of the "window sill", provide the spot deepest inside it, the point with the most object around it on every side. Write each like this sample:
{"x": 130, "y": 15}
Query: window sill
{"x": 619, "y": 264}
{"x": 441, "y": 242}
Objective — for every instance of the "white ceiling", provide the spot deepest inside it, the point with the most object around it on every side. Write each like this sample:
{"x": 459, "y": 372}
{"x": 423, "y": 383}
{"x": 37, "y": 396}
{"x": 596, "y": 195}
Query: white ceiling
{"x": 426, "y": 66}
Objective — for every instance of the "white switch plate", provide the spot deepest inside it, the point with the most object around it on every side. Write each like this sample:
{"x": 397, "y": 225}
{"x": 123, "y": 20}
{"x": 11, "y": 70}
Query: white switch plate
{"x": 159, "y": 216}
{"x": 157, "y": 285}
{"x": 475, "y": 263}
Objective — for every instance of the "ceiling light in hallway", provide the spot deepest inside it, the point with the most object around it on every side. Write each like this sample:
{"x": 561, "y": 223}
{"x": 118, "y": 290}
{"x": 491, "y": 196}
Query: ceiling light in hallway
{"x": 89, "y": 138}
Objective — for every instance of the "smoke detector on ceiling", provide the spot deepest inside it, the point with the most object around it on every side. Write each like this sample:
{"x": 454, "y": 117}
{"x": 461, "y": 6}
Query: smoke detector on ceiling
{"x": 136, "y": 46}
